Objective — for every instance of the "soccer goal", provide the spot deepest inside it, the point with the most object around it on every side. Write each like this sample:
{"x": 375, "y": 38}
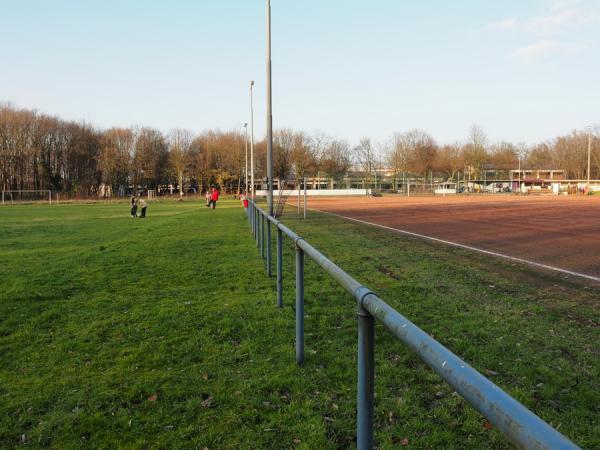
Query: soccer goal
{"x": 290, "y": 192}
{"x": 15, "y": 197}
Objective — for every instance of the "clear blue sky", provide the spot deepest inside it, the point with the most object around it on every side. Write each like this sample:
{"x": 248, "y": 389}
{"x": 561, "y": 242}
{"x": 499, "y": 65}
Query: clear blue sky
{"x": 525, "y": 70}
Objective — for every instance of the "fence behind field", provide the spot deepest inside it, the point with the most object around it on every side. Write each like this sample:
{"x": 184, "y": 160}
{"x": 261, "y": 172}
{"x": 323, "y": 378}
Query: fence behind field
{"x": 522, "y": 427}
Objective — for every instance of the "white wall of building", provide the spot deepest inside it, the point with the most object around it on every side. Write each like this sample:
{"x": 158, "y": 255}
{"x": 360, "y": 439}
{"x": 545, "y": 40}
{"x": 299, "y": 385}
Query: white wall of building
{"x": 317, "y": 192}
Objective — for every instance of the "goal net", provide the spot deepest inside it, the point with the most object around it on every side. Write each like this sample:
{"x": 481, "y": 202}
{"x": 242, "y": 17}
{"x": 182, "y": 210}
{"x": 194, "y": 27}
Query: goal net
{"x": 15, "y": 197}
{"x": 292, "y": 193}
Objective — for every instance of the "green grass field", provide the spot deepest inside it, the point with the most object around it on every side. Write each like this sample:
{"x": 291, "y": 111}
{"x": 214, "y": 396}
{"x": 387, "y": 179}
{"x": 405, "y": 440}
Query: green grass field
{"x": 163, "y": 333}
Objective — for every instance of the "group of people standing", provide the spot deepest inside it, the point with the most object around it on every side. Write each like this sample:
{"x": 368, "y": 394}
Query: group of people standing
{"x": 212, "y": 196}
{"x": 138, "y": 202}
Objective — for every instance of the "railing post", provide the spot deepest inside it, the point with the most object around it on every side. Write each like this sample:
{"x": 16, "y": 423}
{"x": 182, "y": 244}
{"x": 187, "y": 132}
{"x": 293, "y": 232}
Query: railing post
{"x": 269, "y": 269}
{"x": 279, "y": 268}
{"x": 299, "y": 305}
{"x": 262, "y": 236}
{"x": 366, "y": 378}
{"x": 257, "y": 228}
{"x": 305, "y": 199}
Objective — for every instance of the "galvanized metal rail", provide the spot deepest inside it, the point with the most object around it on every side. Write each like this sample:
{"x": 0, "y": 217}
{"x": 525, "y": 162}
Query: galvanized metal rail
{"x": 521, "y": 426}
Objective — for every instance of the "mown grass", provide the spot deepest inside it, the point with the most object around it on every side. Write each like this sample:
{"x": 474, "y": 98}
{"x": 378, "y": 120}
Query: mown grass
{"x": 163, "y": 333}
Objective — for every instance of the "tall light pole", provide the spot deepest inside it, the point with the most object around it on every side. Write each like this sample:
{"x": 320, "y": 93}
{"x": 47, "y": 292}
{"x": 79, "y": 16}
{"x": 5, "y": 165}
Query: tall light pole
{"x": 521, "y": 155}
{"x": 589, "y": 155}
{"x": 519, "y": 172}
{"x": 252, "y": 189}
{"x": 246, "y": 171}
{"x": 269, "y": 117}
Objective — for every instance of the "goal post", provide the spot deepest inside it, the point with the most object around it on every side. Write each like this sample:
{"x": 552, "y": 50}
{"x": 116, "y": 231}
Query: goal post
{"x": 16, "y": 196}
{"x": 291, "y": 192}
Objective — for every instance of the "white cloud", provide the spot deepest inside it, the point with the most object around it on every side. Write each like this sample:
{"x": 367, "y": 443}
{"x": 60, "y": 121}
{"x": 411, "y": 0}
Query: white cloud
{"x": 534, "y": 51}
{"x": 561, "y": 21}
{"x": 544, "y": 48}
{"x": 575, "y": 21}
{"x": 505, "y": 24}
{"x": 556, "y": 16}
{"x": 556, "y": 5}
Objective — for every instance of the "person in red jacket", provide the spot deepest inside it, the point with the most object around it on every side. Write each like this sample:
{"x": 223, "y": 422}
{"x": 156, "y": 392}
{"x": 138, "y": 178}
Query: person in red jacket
{"x": 244, "y": 199}
{"x": 214, "y": 197}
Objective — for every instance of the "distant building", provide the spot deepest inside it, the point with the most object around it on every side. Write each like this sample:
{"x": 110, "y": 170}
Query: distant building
{"x": 544, "y": 180}
{"x": 538, "y": 174}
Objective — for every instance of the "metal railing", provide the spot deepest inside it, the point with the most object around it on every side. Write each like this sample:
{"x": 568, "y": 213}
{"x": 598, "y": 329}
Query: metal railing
{"x": 522, "y": 427}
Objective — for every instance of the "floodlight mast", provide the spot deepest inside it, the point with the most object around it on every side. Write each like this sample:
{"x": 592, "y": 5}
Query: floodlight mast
{"x": 519, "y": 172}
{"x": 252, "y": 189}
{"x": 521, "y": 154}
{"x": 246, "y": 169}
{"x": 589, "y": 155}
{"x": 269, "y": 117}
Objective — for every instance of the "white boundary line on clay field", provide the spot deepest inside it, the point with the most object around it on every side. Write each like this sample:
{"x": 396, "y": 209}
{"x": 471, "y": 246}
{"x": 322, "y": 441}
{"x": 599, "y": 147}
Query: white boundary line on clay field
{"x": 468, "y": 247}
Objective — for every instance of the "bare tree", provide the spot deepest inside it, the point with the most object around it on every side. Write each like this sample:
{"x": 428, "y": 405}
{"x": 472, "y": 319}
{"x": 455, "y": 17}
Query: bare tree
{"x": 283, "y": 146}
{"x": 571, "y": 154}
{"x": 230, "y": 147}
{"x": 367, "y": 157}
{"x": 449, "y": 160}
{"x": 180, "y": 143}
{"x": 398, "y": 155}
{"x": 504, "y": 156}
{"x": 319, "y": 142}
{"x": 115, "y": 160}
{"x": 337, "y": 159}
{"x": 303, "y": 158}
{"x": 150, "y": 159}
{"x": 423, "y": 149}
{"x": 475, "y": 150}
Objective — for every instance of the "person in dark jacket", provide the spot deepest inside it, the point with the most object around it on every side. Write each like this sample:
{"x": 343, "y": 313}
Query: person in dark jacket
{"x": 133, "y": 206}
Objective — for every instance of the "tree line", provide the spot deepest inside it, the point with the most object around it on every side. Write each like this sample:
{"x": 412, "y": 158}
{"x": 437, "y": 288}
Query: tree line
{"x": 39, "y": 151}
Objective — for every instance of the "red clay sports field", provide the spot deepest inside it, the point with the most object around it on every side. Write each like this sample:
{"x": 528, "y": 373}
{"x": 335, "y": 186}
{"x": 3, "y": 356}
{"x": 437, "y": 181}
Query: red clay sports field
{"x": 557, "y": 233}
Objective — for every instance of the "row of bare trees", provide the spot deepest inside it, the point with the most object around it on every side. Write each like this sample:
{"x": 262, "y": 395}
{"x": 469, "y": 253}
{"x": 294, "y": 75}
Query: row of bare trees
{"x": 38, "y": 151}
{"x": 416, "y": 152}
{"x": 43, "y": 152}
